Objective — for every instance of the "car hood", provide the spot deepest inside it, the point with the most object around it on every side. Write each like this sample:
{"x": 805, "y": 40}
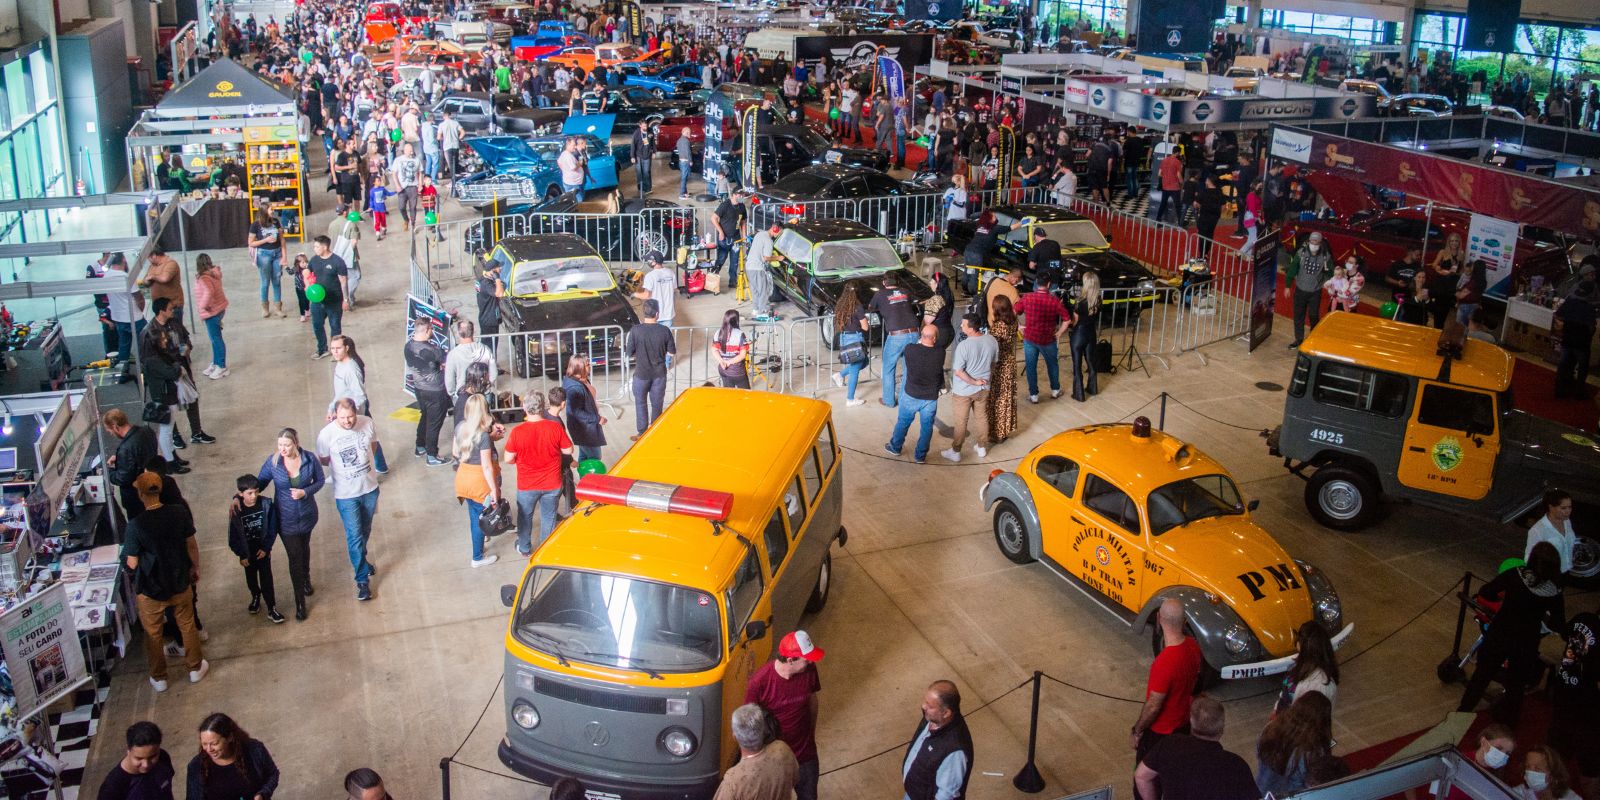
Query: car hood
{"x": 851, "y": 155}
{"x": 576, "y": 310}
{"x": 596, "y": 125}
{"x": 541, "y": 116}
{"x": 1116, "y": 270}
{"x": 1345, "y": 196}
{"x": 503, "y": 153}
{"x": 1228, "y": 555}
{"x": 1552, "y": 448}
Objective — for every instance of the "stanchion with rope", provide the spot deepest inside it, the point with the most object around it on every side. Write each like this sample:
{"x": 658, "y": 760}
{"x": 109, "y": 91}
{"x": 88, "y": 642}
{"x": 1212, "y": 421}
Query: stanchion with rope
{"x": 1028, "y": 778}
{"x": 444, "y": 777}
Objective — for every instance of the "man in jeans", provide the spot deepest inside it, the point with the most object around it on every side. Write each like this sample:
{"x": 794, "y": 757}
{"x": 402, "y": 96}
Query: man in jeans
{"x": 536, "y": 447}
{"x": 1308, "y": 270}
{"x": 346, "y": 448}
{"x": 126, "y": 310}
{"x": 893, "y": 307}
{"x": 969, "y": 386}
{"x": 407, "y": 171}
{"x": 333, "y": 275}
{"x": 650, "y": 344}
{"x": 425, "y": 371}
{"x": 571, "y": 168}
{"x": 1043, "y": 320}
{"x": 924, "y": 379}
{"x": 159, "y": 549}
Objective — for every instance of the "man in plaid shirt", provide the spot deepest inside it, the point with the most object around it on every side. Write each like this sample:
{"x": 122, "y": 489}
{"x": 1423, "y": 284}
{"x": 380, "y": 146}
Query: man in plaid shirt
{"x": 1043, "y": 320}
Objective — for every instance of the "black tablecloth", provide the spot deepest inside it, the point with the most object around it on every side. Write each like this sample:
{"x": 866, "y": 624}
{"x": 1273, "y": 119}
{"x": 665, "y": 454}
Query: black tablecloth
{"x": 215, "y": 225}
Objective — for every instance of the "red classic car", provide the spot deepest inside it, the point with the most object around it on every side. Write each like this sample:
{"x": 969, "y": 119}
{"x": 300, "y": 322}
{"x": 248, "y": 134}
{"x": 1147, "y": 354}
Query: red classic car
{"x": 1380, "y": 237}
{"x": 385, "y": 21}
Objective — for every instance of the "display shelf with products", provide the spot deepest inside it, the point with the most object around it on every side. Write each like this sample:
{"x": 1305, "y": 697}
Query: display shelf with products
{"x": 275, "y": 175}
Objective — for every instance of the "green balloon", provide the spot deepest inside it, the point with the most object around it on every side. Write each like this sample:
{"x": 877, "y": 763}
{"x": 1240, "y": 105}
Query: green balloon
{"x": 1510, "y": 563}
{"x": 591, "y": 466}
{"x": 316, "y": 293}
{"x": 430, "y": 218}
{"x": 394, "y": 136}
{"x": 353, "y": 216}
{"x": 1388, "y": 310}
{"x": 305, "y": 55}
{"x": 922, "y": 141}
{"x": 833, "y": 113}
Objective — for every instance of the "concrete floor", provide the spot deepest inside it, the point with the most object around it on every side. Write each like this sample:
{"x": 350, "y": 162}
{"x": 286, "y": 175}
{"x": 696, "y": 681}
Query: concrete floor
{"x": 920, "y": 593}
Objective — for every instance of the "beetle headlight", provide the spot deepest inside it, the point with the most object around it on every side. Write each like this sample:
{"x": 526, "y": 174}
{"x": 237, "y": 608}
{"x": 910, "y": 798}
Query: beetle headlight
{"x": 525, "y": 715}
{"x": 1237, "y": 639}
{"x": 1328, "y": 609}
{"x": 678, "y": 742}
{"x": 1324, "y": 599}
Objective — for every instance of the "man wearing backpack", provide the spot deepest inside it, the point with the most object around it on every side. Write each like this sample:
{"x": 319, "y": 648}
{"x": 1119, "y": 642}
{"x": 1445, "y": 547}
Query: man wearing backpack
{"x": 160, "y": 550}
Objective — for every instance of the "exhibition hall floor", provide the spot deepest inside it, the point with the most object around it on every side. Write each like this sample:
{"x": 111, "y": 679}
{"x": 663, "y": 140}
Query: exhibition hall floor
{"x": 920, "y": 593}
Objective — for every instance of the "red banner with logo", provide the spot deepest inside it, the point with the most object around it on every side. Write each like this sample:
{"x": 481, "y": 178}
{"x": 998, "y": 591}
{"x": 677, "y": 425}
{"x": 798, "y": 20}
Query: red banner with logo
{"x": 1498, "y": 193}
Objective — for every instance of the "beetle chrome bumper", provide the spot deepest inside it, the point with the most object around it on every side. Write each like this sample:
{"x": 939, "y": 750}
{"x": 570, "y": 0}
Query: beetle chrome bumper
{"x": 1277, "y": 666}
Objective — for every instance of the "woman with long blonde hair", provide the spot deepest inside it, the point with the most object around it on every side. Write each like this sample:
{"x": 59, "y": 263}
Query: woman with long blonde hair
{"x": 1003, "y": 380}
{"x": 1085, "y": 332}
{"x": 478, "y": 476}
{"x": 1443, "y": 275}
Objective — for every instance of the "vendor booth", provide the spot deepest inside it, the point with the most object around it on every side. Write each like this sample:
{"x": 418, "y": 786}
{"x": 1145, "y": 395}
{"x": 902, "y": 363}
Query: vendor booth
{"x": 225, "y": 140}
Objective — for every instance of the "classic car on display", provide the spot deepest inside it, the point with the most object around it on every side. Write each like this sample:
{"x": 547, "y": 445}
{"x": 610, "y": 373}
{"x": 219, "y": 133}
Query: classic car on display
{"x": 1083, "y": 248}
{"x": 1132, "y": 516}
{"x": 789, "y": 196}
{"x": 525, "y": 169}
{"x": 557, "y": 282}
{"x": 677, "y": 80}
{"x": 817, "y": 258}
{"x": 480, "y": 113}
{"x": 586, "y": 57}
{"x": 785, "y": 148}
{"x": 619, "y": 230}
{"x": 1381, "y": 236}
{"x": 633, "y": 105}
{"x": 1417, "y": 105}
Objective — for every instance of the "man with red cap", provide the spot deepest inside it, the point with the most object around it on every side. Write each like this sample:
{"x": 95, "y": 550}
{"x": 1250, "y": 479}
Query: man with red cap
{"x": 787, "y": 688}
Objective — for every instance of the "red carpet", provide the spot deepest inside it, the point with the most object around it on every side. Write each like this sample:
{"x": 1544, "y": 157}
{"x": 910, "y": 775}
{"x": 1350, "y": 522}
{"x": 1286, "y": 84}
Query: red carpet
{"x": 1530, "y": 731}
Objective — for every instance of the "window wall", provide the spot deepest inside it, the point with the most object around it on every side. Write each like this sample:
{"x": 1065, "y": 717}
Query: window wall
{"x": 1360, "y": 30}
{"x": 1103, "y": 15}
{"x": 30, "y": 141}
{"x": 1545, "y": 52}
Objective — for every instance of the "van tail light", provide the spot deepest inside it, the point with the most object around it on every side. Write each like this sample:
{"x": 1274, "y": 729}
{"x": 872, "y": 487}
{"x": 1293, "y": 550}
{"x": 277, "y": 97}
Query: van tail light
{"x": 652, "y": 496}
{"x": 544, "y": 286}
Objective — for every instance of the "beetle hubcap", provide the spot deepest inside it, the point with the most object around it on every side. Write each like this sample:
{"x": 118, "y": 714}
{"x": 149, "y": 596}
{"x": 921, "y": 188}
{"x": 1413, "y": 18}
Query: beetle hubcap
{"x": 1340, "y": 499}
{"x": 1010, "y": 530}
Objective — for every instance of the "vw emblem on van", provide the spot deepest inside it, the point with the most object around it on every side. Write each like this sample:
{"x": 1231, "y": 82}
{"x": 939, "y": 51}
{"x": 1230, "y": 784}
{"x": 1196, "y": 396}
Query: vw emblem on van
{"x": 597, "y": 734}
{"x": 1174, "y": 37}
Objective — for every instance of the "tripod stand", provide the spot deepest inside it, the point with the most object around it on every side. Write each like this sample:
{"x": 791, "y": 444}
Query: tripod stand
{"x": 1131, "y": 357}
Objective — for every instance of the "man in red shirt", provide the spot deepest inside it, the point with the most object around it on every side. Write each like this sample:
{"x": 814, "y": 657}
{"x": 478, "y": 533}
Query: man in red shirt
{"x": 787, "y": 688}
{"x": 1171, "y": 686}
{"x": 536, "y": 447}
{"x": 1171, "y": 185}
{"x": 1043, "y": 320}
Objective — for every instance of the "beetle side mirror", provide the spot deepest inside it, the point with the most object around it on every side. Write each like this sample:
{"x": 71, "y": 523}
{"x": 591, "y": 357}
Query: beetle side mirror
{"x": 508, "y": 594}
{"x": 754, "y": 630}
{"x": 1253, "y": 505}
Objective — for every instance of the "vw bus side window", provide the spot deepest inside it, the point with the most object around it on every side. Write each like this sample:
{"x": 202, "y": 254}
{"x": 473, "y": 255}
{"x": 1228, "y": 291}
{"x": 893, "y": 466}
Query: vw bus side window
{"x": 813, "y": 475}
{"x": 777, "y": 541}
{"x": 742, "y": 596}
{"x": 825, "y": 448}
{"x": 1060, "y": 473}
{"x": 1302, "y": 374}
{"x": 794, "y": 501}
{"x": 1456, "y": 409}
{"x": 1347, "y": 386}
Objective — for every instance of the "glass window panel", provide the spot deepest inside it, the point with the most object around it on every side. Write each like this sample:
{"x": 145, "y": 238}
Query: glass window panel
{"x": 17, "y": 102}
{"x": 44, "y": 89}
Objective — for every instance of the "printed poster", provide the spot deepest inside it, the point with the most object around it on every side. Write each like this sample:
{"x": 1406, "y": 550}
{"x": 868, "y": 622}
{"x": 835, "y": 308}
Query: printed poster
{"x": 41, "y": 648}
{"x": 1263, "y": 290}
{"x": 1494, "y": 241}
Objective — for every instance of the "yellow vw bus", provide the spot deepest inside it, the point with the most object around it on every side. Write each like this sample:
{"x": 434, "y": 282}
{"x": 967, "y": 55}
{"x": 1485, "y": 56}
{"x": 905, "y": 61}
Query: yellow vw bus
{"x": 639, "y": 621}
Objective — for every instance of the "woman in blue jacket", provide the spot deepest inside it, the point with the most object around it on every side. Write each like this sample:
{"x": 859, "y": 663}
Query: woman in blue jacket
{"x": 296, "y": 477}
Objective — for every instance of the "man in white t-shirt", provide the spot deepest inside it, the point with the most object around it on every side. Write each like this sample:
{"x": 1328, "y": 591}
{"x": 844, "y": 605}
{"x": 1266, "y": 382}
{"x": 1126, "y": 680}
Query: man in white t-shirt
{"x": 660, "y": 285}
{"x": 345, "y": 448}
{"x": 126, "y": 309}
{"x": 571, "y": 168}
{"x": 1554, "y": 527}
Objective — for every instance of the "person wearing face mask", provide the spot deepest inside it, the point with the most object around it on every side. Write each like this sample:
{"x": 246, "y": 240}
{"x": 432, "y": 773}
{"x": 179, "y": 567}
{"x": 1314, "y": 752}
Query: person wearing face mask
{"x": 1495, "y": 746}
{"x": 1307, "y": 271}
{"x": 1544, "y": 776}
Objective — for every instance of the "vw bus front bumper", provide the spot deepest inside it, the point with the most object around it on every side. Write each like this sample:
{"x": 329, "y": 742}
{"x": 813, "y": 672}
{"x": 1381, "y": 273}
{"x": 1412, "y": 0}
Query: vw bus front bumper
{"x": 608, "y": 786}
{"x": 1277, "y": 666}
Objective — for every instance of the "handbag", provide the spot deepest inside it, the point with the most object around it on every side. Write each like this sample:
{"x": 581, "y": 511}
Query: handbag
{"x": 853, "y": 353}
{"x": 187, "y": 393}
{"x": 156, "y": 412}
{"x": 496, "y": 519}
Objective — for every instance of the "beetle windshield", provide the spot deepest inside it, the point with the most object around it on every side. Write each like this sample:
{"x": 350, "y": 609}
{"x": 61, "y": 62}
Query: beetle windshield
{"x": 572, "y": 274}
{"x": 617, "y": 621}
{"x": 1182, "y": 502}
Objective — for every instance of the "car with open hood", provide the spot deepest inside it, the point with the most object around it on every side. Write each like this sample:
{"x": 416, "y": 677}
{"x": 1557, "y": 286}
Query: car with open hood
{"x": 525, "y": 169}
{"x": 1382, "y": 410}
{"x": 1380, "y": 236}
{"x": 1133, "y": 516}
{"x": 557, "y": 282}
{"x": 815, "y": 259}
{"x": 1128, "y": 286}
{"x": 619, "y": 230}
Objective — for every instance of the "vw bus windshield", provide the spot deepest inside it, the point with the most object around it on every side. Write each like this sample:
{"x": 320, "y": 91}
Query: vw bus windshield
{"x": 577, "y": 273}
{"x": 617, "y": 621}
{"x": 1182, "y": 502}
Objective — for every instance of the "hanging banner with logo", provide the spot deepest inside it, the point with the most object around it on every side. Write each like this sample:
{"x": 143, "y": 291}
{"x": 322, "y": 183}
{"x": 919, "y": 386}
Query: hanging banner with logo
{"x": 891, "y": 77}
{"x": 749, "y": 168}
{"x": 41, "y": 648}
{"x": 711, "y": 162}
{"x": 636, "y": 23}
{"x": 1491, "y": 25}
{"x": 1263, "y": 289}
{"x": 1494, "y": 241}
{"x": 1008, "y": 158}
{"x": 1175, "y": 26}
{"x": 934, "y": 9}
{"x": 912, "y": 50}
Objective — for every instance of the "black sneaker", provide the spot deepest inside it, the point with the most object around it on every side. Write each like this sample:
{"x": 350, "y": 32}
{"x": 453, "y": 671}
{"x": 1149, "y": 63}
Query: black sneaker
{"x": 363, "y": 592}
{"x": 203, "y": 438}
{"x": 178, "y": 442}
{"x": 255, "y": 605}
{"x": 420, "y": 452}
{"x": 300, "y": 610}
{"x": 310, "y": 590}
{"x": 274, "y": 617}
{"x": 182, "y": 469}
{"x": 435, "y": 461}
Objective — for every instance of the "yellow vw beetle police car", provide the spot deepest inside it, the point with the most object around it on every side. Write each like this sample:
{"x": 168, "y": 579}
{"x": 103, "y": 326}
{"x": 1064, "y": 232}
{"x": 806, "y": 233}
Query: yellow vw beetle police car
{"x": 1132, "y": 516}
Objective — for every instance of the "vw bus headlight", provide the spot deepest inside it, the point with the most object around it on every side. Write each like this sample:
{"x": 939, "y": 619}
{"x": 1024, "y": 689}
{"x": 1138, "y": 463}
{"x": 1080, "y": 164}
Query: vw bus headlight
{"x": 678, "y": 742}
{"x": 1237, "y": 639}
{"x": 525, "y": 715}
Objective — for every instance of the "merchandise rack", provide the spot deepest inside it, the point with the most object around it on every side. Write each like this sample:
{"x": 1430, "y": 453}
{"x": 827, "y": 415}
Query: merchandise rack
{"x": 274, "y": 171}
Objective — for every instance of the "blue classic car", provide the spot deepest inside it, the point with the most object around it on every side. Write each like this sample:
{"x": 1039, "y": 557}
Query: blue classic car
{"x": 518, "y": 168}
{"x": 677, "y": 80}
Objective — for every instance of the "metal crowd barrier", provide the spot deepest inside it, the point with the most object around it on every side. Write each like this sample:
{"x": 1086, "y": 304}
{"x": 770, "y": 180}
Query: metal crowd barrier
{"x": 538, "y": 359}
{"x": 623, "y": 240}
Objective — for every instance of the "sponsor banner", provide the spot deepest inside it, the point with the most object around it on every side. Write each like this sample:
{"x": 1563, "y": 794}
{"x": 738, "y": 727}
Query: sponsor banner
{"x": 1263, "y": 289}
{"x": 1132, "y": 104}
{"x": 892, "y": 77}
{"x": 1494, "y": 241}
{"x": 1007, "y": 167}
{"x": 1503, "y": 195}
{"x": 1491, "y": 25}
{"x": 1210, "y": 111}
{"x": 1291, "y": 145}
{"x": 749, "y": 173}
{"x": 934, "y": 9}
{"x": 635, "y": 22}
{"x": 41, "y": 648}
{"x": 711, "y": 164}
{"x": 1175, "y": 26}
{"x": 861, "y": 52}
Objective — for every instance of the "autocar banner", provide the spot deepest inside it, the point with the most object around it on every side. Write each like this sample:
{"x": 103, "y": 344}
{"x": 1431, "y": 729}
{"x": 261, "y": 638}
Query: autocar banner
{"x": 892, "y": 77}
{"x": 1491, "y": 25}
{"x": 1502, "y": 194}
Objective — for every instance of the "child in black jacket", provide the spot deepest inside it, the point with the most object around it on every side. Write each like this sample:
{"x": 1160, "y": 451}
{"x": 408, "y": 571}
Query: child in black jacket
{"x": 252, "y": 530}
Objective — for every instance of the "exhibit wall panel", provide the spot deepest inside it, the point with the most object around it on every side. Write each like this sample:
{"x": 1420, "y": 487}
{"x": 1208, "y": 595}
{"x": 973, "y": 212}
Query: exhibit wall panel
{"x": 98, "y": 103}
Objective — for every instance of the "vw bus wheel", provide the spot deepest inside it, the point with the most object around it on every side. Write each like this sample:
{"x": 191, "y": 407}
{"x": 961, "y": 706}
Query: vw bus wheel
{"x": 1011, "y": 533}
{"x": 1341, "y": 498}
{"x": 819, "y": 593}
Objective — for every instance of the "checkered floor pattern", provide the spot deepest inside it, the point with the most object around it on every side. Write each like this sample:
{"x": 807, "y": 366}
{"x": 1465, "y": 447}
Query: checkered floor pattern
{"x": 72, "y": 731}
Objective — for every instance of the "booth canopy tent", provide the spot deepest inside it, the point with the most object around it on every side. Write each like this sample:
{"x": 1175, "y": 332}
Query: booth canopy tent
{"x": 224, "y": 89}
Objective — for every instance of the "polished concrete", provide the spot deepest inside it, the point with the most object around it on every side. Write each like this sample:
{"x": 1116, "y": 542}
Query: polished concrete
{"x": 920, "y": 593}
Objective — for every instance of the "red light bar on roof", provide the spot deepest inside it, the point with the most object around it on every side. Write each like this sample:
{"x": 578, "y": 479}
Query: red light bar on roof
{"x": 652, "y": 496}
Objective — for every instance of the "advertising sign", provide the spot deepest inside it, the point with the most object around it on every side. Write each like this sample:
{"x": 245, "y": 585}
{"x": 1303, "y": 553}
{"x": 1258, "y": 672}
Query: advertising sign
{"x": 1008, "y": 158}
{"x": 892, "y": 77}
{"x": 749, "y": 170}
{"x": 1494, "y": 241}
{"x": 1263, "y": 290}
{"x": 1210, "y": 111}
{"x": 861, "y": 52}
{"x": 59, "y": 461}
{"x": 1491, "y": 25}
{"x": 711, "y": 166}
{"x": 636, "y": 22}
{"x": 419, "y": 311}
{"x": 41, "y": 649}
{"x": 1291, "y": 145}
{"x": 1175, "y": 26}
{"x": 934, "y": 9}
